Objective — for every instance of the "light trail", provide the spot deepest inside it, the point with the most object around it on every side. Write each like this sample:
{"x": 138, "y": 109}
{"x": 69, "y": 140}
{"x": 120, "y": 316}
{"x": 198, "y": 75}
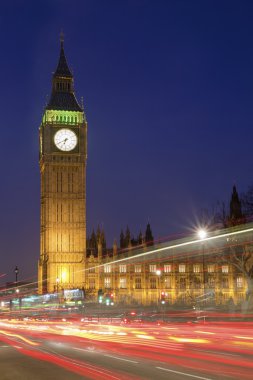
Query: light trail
{"x": 19, "y": 337}
{"x": 219, "y": 354}
{"x": 135, "y": 257}
{"x": 171, "y": 247}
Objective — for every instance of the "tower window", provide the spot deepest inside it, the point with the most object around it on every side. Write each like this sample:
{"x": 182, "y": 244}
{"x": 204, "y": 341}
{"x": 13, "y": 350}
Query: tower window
{"x": 239, "y": 282}
{"x": 224, "y": 268}
{"x": 138, "y": 283}
{"x": 137, "y": 268}
{"x": 107, "y": 282}
{"x": 92, "y": 283}
{"x": 196, "y": 268}
{"x": 181, "y": 268}
{"x": 167, "y": 268}
{"x": 153, "y": 283}
{"x": 152, "y": 268}
{"x": 107, "y": 268}
{"x": 122, "y": 283}
{"x": 122, "y": 268}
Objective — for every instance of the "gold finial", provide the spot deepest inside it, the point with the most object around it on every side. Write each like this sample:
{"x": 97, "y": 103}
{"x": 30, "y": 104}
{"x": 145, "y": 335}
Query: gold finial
{"x": 62, "y": 38}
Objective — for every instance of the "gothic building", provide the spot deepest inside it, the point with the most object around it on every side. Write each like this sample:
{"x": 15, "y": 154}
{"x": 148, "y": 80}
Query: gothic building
{"x": 235, "y": 215}
{"x": 137, "y": 272}
{"x": 63, "y": 153}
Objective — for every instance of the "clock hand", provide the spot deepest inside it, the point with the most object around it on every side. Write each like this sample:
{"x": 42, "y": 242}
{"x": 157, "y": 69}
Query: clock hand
{"x": 63, "y": 141}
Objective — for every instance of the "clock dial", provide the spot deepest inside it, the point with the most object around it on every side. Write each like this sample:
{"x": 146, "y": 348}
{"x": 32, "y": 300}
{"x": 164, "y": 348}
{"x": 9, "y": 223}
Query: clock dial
{"x": 65, "y": 139}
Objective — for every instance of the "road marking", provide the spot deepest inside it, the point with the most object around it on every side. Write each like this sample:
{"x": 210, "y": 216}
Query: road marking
{"x": 183, "y": 373}
{"x": 125, "y": 360}
{"x": 219, "y": 353}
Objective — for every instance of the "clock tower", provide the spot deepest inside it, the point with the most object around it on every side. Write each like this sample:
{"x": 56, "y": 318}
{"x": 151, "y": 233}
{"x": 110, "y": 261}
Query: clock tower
{"x": 63, "y": 154}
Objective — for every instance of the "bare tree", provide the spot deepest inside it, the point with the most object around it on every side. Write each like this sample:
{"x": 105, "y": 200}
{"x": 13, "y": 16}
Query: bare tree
{"x": 247, "y": 203}
{"x": 240, "y": 256}
{"x": 239, "y": 252}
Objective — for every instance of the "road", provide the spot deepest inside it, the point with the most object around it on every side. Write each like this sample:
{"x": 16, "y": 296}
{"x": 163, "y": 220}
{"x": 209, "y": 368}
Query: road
{"x": 75, "y": 350}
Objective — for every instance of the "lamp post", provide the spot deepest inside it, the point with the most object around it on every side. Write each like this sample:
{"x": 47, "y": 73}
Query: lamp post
{"x": 202, "y": 234}
{"x": 16, "y": 273}
{"x": 158, "y": 273}
{"x": 57, "y": 285}
{"x": 57, "y": 292}
{"x": 19, "y": 300}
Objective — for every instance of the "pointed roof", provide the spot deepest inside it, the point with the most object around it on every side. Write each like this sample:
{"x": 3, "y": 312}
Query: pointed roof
{"x": 63, "y": 96}
{"x": 64, "y": 101}
{"x": 235, "y": 205}
{"x": 62, "y": 69}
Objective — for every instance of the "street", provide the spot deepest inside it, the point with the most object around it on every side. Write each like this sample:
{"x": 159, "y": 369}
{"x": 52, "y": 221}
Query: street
{"x": 75, "y": 350}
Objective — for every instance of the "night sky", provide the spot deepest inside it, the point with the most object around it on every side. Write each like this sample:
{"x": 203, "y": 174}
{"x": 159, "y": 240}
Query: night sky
{"x": 168, "y": 95}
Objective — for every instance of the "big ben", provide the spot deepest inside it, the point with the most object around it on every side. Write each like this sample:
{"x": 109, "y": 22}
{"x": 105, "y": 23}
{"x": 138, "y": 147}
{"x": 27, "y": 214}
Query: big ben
{"x": 63, "y": 154}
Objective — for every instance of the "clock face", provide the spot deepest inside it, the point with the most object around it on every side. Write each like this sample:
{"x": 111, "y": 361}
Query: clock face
{"x": 65, "y": 139}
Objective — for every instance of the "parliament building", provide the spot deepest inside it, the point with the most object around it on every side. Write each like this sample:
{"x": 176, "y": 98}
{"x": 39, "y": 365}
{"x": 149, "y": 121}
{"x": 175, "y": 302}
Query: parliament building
{"x": 186, "y": 271}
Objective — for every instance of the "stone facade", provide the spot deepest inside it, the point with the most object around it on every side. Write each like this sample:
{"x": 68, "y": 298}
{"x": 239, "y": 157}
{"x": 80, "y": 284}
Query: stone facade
{"x": 191, "y": 276}
{"x": 63, "y": 192}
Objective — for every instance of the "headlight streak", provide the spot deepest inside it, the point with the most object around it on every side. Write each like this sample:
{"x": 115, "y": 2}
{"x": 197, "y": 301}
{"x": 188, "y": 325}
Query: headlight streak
{"x": 204, "y": 332}
{"x": 162, "y": 346}
{"x": 243, "y": 337}
{"x": 145, "y": 337}
{"x": 243, "y": 343}
{"x": 189, "y": 340}
{"x": 20, "y": 337}
{"x": 163, "y": 341}
{"x": 174, "y": 246}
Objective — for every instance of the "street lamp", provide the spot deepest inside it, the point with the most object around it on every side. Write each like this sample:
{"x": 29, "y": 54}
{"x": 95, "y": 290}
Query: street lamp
{"x": 57, "y": 285}
{"x": 16, "y": 273}
{"x": 158, "y": 273}
{"x": 202, "y": 234}
{"x": 19, "y": 299}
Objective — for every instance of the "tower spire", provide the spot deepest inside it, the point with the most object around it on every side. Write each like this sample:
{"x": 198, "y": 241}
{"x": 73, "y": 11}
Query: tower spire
{"x": 62, "y": 69}
{"x": 62, "y": 96}
{"x": 62, "y": 39}
{"x": 235, "y": 206}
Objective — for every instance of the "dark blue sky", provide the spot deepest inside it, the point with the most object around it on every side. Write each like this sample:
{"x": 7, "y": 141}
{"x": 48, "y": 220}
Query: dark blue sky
{"x": 168, "y": 94}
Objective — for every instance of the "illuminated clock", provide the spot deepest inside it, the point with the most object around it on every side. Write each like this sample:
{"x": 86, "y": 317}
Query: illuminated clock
{"x": 65, "y": 139}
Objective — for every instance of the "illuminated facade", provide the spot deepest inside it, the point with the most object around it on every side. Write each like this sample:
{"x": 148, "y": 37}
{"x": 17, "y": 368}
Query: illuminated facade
{"x": 63, "y": 153}
{"x": 193, "y": 275}
{"x": 186, "y": 277}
